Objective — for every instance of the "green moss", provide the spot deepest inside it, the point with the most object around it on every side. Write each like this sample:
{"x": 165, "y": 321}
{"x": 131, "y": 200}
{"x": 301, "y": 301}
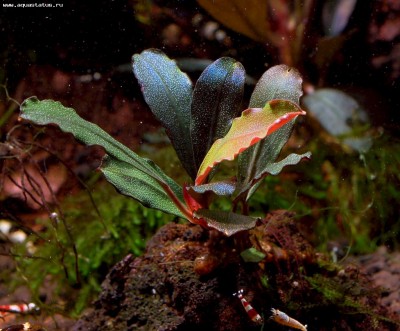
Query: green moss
{"x": 342, "y": 195}
{"x": 348, "y": 296}
{"x": 125, "y": 228}
{"x": 332, "y": 291}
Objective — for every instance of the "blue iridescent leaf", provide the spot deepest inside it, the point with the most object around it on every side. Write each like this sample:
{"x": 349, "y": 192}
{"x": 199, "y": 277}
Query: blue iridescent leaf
{"x": 168, "y": 92}
{"x": 222, "y": 188}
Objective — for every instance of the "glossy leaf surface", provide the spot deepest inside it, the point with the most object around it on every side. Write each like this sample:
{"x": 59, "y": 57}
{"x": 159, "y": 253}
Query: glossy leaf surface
{"x": 223, "y": 188}
{"x": 251, "y": 127}
{"x": 155, "y": 187}
{"x": 217, "y": 99}
{"x": 278, "y": 82}
{"x": 168, "y": 92}
{"x": 227, "y": 222}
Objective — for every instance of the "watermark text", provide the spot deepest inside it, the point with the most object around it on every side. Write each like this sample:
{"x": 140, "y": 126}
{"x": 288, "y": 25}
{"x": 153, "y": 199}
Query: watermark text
{"x": 33, "y": 5}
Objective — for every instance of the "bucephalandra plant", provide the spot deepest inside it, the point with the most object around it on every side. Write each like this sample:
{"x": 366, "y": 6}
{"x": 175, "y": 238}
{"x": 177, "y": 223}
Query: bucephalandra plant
{"x": 206, "y": 126}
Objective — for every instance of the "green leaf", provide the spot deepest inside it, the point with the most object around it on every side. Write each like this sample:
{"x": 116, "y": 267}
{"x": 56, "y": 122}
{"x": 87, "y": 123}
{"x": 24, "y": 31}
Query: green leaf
{"x": 49, "y": 111}
{"x": 251, "y": 127}
{"x": 224, "y": 221}
{"x": 276, "y": 167}
{"x": 217, "y": 99}
{"x": 252, "y": 255}
{"x": 278, "y": 82}
{"x": 168, "y": 92}
{"x": 134, "y": 183}
{"x": 272, "y": 168}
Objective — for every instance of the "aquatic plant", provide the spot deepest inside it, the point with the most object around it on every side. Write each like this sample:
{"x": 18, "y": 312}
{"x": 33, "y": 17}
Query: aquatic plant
{"x": 288, "y": 30}
{"x": 204, "y": 129}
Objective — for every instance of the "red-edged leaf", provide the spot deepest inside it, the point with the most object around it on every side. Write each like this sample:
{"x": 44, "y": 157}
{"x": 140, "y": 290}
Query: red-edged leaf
{"x": 278, "y": 82}
{"x": 224, "y": 221}
{"x": 254, "y": 125}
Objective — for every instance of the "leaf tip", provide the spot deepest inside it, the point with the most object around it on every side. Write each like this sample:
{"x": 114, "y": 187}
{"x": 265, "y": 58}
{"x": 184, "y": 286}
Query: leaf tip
{"x": 202, "y": 176}
{"x": 281, "y": 121}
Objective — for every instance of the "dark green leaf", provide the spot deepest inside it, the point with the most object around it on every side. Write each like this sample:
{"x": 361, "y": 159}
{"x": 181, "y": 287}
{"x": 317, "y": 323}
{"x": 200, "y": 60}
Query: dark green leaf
{"x": 216, "y": 102}
{"x": 49, "y": 111}
{"x": 168, "y": 92}
{"x": 227, "y": 222}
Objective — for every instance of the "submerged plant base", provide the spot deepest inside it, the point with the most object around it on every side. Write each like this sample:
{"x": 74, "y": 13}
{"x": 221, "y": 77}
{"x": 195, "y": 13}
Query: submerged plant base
{"x": 186, "y": 278}
{"x": 163, "y": 291}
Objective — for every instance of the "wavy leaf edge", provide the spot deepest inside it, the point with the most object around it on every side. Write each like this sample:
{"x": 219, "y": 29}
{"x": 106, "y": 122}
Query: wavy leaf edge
{"x": 278, "y": 123}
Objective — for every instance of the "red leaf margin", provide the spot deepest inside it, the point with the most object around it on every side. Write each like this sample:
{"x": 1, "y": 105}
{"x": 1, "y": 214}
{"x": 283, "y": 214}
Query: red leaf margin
{"x": 275, "y": 125}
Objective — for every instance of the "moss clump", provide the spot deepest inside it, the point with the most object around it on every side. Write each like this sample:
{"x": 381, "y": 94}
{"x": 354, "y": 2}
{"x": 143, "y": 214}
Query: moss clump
{"x": 125, "y": 227}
